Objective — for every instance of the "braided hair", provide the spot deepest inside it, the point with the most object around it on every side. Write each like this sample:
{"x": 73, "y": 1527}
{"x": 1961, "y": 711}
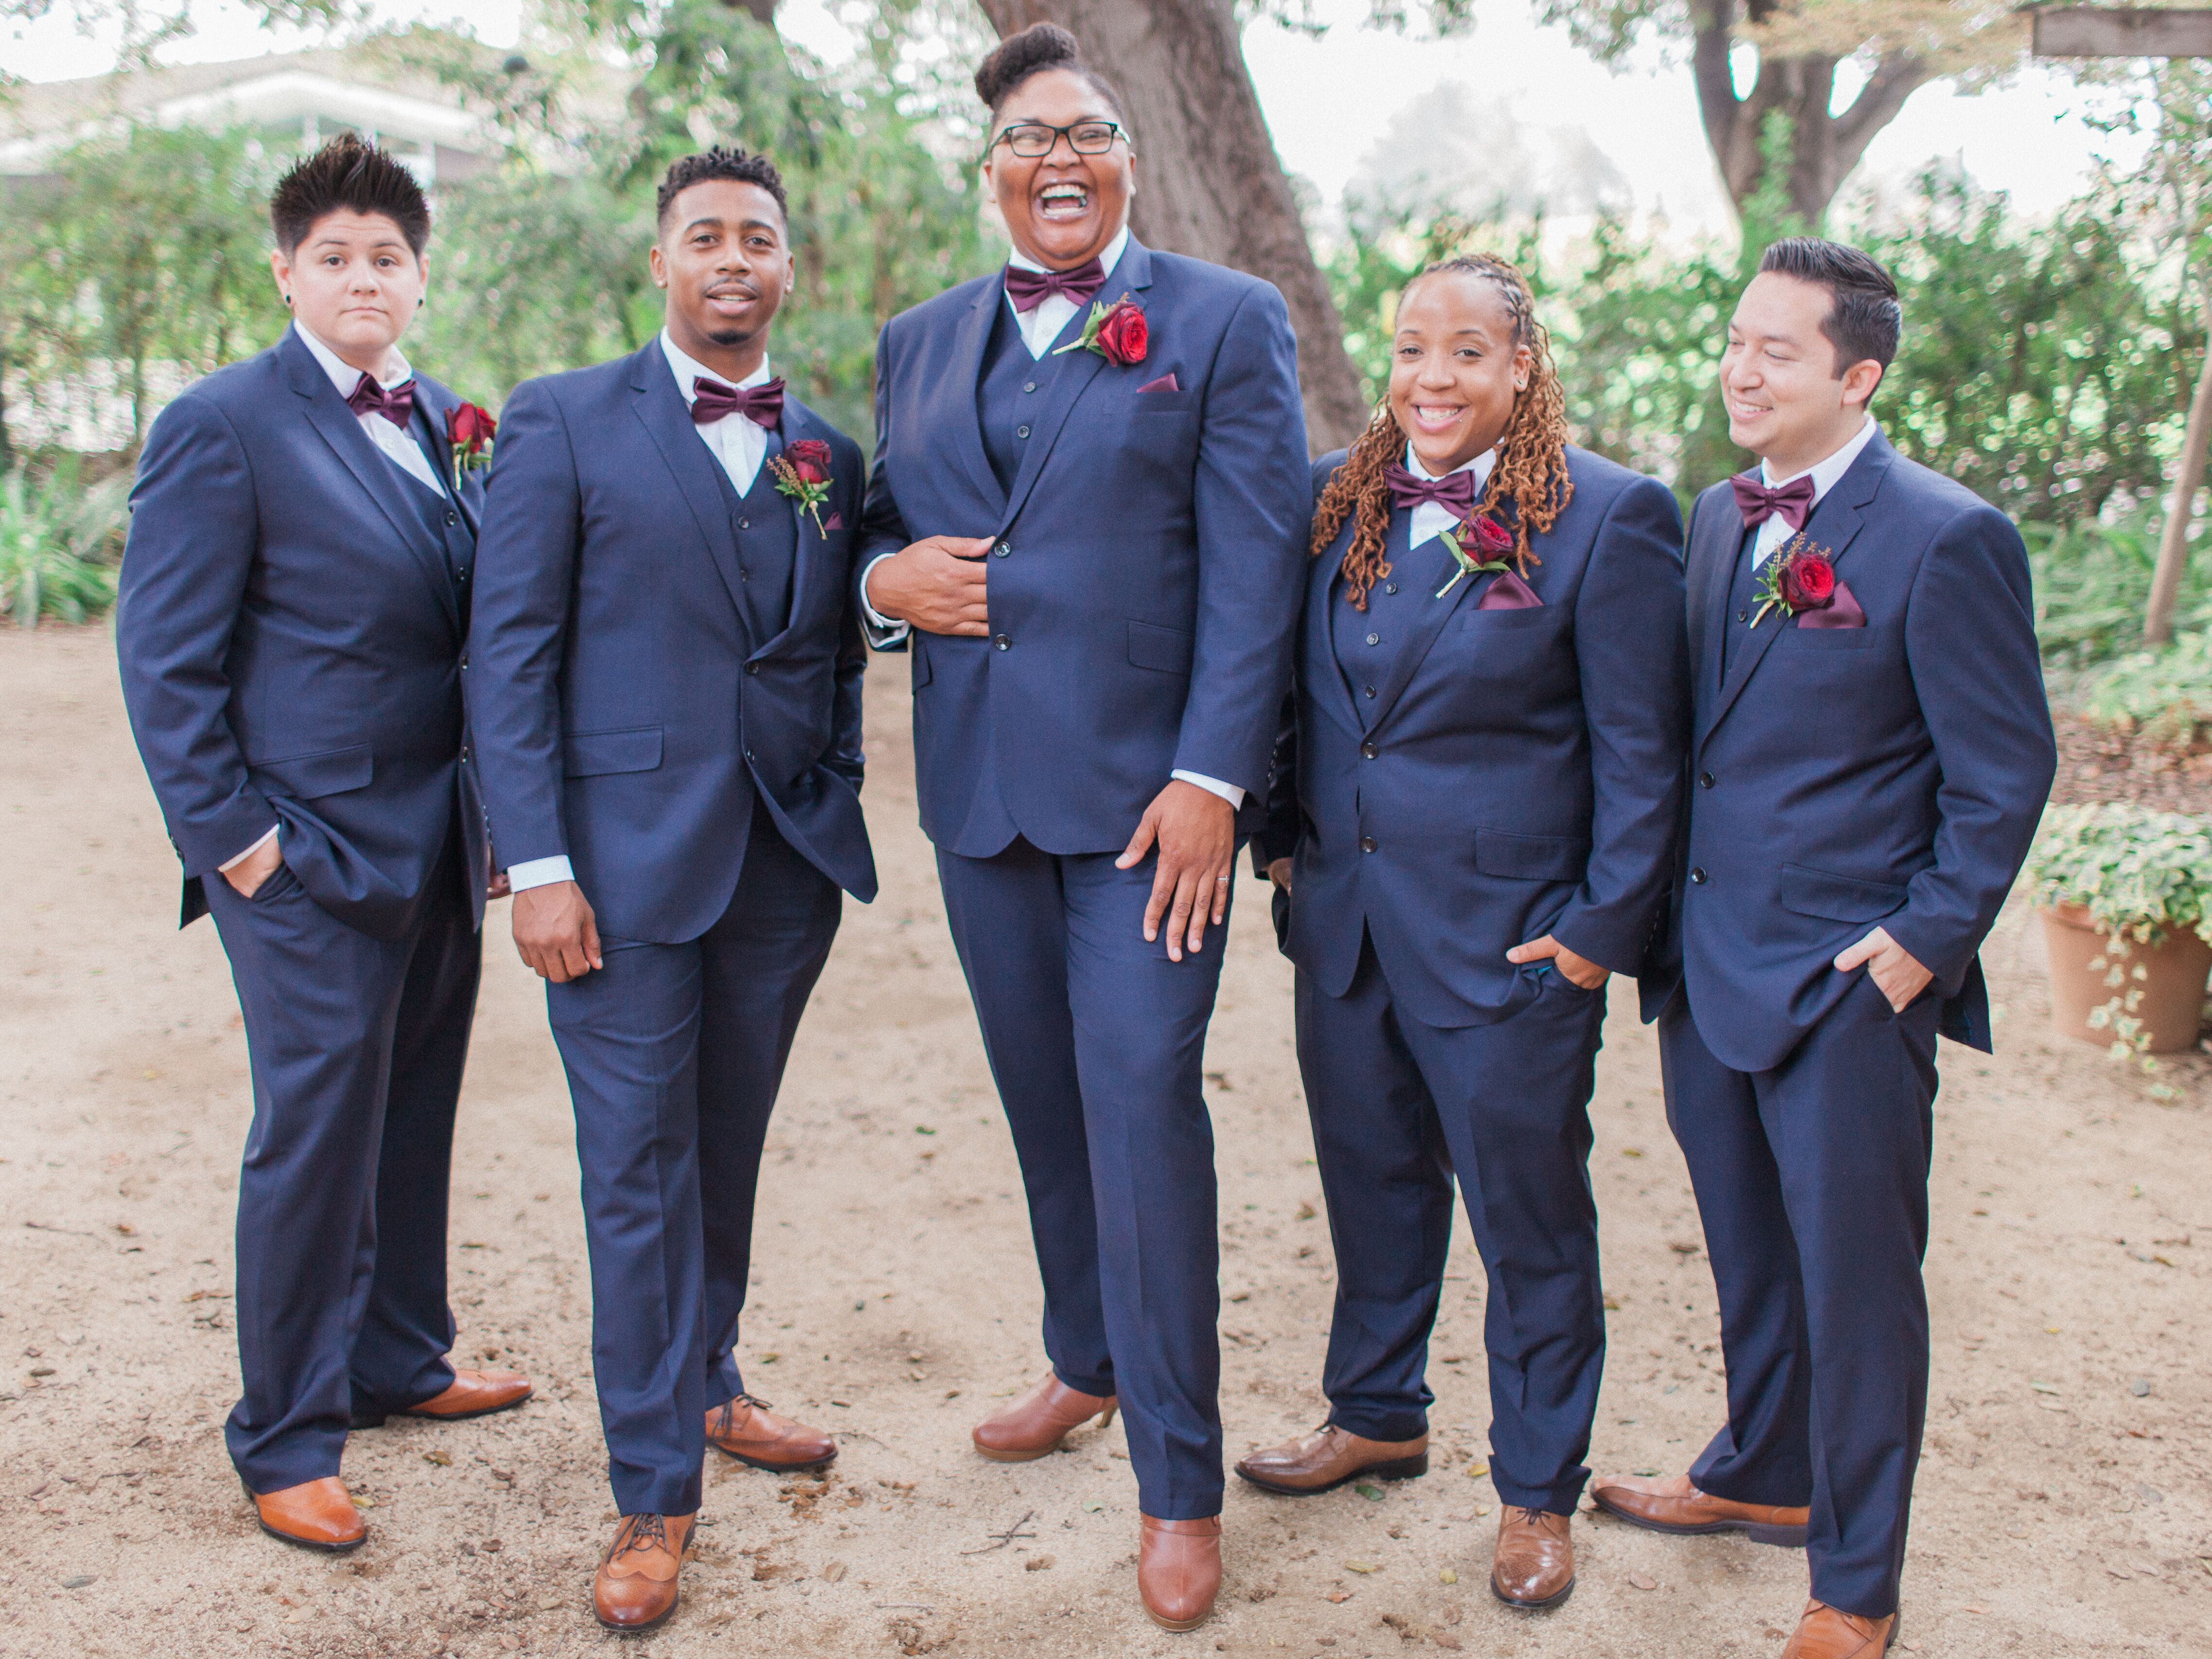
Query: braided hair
{"x": 1531, "y": 473}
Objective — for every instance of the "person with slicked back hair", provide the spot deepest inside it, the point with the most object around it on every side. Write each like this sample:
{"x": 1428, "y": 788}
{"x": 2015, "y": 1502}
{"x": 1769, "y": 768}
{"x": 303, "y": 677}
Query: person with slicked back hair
{"x": 1471, "y": 826}
{"x": 1870, "y": 750}
{"x": 1084, "y": 524}
{"x": 294, "y": 600}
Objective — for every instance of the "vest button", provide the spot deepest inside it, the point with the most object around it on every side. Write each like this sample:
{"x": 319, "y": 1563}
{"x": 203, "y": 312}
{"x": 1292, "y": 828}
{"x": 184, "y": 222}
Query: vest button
{"x": 1704, "y": 779}
{"x": 744, "y": 524}
{"x": 453, "y": 517}
{"x": 1368, "y": 751}
{"x": 1002, "y": 549}
{"x": 1389, "y": 587}
{"x": 1001, "y": 641}
{"x": 1021, "y": 432}
{"x": 1029, "y": 386}
{"x": 1371, "y": 691}
{"x": 1697, "y": 877}
{"x": 1367, "y": 843}
{"x": 1743, "y": 615}
{"x": 1373, "y": 639}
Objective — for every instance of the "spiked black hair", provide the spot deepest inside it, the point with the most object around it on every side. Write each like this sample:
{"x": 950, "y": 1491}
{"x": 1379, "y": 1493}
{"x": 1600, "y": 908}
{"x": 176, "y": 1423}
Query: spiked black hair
{"x": 348, "y": 175}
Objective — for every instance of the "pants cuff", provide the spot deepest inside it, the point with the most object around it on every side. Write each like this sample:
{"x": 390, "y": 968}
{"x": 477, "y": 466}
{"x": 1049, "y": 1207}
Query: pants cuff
{"x": 1381, "y": 1423}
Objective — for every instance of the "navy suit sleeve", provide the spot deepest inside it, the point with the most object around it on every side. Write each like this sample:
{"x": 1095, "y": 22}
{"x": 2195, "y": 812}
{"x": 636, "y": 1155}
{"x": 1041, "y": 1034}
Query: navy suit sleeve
{"x": 1970, "y": 640}
{"x": 1632, "y": 651}
{"x": 1278, "y": 837}
{"x": 518, "y": 625}
{"x": 1252, "y": 500}
{"x": 195, "y": 531}
{"x": 883, "y": 528}
{"x": 847, "y": 756}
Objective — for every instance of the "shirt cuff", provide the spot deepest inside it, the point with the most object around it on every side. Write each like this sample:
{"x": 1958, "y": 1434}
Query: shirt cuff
{"x": 539, "y": 873}
{"x": 229, "y": 864}
{"x": 886, "y": 630}
{"x": 1228, "y": 791}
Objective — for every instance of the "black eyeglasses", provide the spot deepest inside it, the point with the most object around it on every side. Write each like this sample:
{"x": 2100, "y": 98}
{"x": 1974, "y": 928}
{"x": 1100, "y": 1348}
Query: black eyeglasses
{"x": 1031, "y": 139}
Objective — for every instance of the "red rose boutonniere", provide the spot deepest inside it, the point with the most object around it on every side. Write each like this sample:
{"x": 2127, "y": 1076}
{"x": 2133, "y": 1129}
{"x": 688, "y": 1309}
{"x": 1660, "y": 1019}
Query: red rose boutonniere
{"x": 1801, "y": 576}
{"x": 1492, "y": 542}
{"x": 802, "y": 472}
{"x": 1117, "y": 332}
{"x": 469, "y": 431}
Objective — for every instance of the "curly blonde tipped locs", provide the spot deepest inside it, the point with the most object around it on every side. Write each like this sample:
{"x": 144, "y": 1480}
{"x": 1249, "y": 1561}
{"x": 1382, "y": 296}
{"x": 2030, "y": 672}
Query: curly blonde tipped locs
{"x": 1531, "y": 473}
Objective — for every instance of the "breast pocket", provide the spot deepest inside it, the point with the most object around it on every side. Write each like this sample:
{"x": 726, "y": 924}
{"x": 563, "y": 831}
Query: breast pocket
{"x": 1812, "y": 641}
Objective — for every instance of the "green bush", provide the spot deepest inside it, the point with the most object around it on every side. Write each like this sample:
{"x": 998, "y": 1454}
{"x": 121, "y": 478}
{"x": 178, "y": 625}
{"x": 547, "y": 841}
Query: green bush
{"x": 2140, "y": 873}
{"x": 2166, "y": 693}
{"x": 59, "y": 543}
{"x": 2092, "y": 581}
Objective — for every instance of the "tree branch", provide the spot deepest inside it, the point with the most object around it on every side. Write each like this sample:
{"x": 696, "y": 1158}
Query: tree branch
{"x": 1718, "y": 105}
{"x": 1896, "y": 78}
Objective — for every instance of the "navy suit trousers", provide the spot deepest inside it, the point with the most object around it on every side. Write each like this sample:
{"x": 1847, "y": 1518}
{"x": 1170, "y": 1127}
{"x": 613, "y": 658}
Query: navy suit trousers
{"x": 1097, "y": 1041}
{"x": 1397, "y": 1106}
{"x": 357, "y": 1047}
{"x": 1812, "y": 1181}
{"x": 674, "y": 1054}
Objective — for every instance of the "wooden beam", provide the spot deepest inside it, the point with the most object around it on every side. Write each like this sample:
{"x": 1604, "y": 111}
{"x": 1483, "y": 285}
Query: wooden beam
{"x": 2122, "y": 32}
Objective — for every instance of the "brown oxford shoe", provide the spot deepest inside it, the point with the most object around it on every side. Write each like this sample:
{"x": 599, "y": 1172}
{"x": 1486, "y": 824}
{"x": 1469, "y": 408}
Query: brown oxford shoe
{"x": 1329, "y": 1457}
{"x": 1179, "y": 1570}
{"x": 745, "y": 1429}
{"x": 636, "y": 1586}
{"x": 1676, "y": 1506}
{"x": 1825, "y": 1633}
{"x": 1536, "y": 1564}
{"x": 470, "y": 1394}
{"x": 1034, "y": 1426}
{"x": 317, "y": 1515}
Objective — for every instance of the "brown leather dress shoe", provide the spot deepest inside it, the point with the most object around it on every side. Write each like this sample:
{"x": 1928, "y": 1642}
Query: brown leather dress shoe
{"x": 1676, "y": 1506}
{"x": 1825, "y": 1633}
{"x": 318, "y": 1515}
{"x": 1179, "y": 1570}
{"x": 1535, "y": 1562}
{"x": 470, "y": 1394}
{"x": 745, "y": 1429}
{"x": 1329, "y": 1457}
{"x": 1034, "y": 1426}
{"x": 634, "y": 1589}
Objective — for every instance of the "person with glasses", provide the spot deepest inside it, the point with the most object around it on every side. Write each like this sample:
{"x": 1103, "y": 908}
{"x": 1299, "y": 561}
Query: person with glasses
{"x": 1086, "y": 523}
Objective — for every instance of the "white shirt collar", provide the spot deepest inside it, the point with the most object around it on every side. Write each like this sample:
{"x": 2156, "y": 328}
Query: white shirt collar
{"x": 1107, "y": 260}
{"x": 687, "y": 368}
{"x": 1479, "y": 466}
{"x": 1824, "y": 474}
{"x": 343, "y": 375}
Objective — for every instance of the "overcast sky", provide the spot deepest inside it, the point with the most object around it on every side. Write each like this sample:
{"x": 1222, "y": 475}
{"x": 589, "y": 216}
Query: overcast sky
{"x": 1329, "y": 100}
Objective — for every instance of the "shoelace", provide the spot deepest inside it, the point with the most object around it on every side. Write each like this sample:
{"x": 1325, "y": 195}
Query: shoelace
{"x": 642, "y": 1533}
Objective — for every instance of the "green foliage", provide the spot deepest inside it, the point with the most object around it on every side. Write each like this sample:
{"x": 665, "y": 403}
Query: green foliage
{"x": 2139, "y": 873}
{"x": 59, "y": 543}
{"x": 2166, "y": 693}
{"x": 2092, "y": 580}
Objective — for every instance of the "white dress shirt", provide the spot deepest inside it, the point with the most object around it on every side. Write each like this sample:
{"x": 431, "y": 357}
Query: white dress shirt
{"x": 1430, "y": 521}
{"x": 397, "y": 444}
{"x": 1825, "y": 475}
{"x": 739, "y": 444}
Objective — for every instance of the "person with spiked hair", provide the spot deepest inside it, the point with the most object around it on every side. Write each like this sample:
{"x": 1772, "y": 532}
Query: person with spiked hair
{"x": 666, "y": 692}
{"x": 1471, "y": 826}
{"x": 295, "y": 594}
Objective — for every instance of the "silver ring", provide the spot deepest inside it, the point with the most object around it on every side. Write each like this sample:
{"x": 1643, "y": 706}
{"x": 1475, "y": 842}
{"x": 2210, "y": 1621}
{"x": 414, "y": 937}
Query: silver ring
{"x": 1221, "y": 881}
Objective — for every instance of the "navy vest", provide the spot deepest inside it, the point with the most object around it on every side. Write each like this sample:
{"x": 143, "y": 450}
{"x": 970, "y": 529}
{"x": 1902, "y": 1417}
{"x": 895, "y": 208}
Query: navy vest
{"x": 1013, "y": 387}
{"x": 1743, "y": 601}
{"x": 765, "y": 527}
{"x": 435, "y": 513}
{"x": 1367, "y": 643}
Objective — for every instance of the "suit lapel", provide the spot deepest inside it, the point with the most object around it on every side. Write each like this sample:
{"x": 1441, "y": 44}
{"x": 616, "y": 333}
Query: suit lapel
{"x": 340, "y": 428}
{"x": 436, "y": 406}
{"x": 1715, "y": 538}
{"x": 970, "y": 342}
{"x": 1835, "y": 524}
{"x": 1437, "y": 565}
{"x": 1329, "y": 683}
{"x": 798, "y": 424}
{"x": 1133, "y": 276}
{"x": 660, "y": 409}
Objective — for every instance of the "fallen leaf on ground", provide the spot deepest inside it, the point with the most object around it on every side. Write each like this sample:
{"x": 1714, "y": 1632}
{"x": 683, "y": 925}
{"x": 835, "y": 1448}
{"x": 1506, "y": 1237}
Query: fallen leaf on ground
{"x": 443, "y": 1460}
{"x": 1338, "y": 1597}
{"x": 1036, "y": 1563}
{"x": 832, "y": 1573}
{"x": 1305, "y": 1212}
{"x": 1476, "y": 1471}
{"x": 1359, "y": 1566}
{"x": 1642, "y": 1582}
{"x": 1372, "y": 1494}
{"x": 1448, "y": 1576}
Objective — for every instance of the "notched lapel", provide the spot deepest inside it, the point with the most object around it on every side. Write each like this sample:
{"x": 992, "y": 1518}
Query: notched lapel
{"x": 970, "y": 342}
{"x": 660, "y": 409}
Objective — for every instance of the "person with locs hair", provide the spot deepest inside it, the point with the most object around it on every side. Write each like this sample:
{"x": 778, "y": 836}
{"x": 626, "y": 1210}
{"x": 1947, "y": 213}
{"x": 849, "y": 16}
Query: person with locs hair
{"x": 1472, "y": 827}
{"x": 1870, "y": 752}
{"x": 666, "y": 686}
{"x": 295, "y": 594}
{"x": 1085, "y": 522}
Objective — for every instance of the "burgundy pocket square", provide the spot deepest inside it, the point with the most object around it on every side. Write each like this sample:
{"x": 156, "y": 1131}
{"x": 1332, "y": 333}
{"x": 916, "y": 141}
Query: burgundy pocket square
{"x": 1508, "y": 592}
{"x": 1844, "y": 612}
{"x": 834, "y": 521}
{"x": 1165, "y": 383}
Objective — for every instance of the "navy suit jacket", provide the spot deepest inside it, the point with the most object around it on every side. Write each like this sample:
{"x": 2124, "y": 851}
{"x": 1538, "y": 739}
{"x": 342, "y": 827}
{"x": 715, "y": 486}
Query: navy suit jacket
{"x": 1844, "y": 778}
{"x": 1148, "y": 560}
{"x": 1519, "y": 772}
{"x": 625, "y": 716}
{"x": 290, "y": 642}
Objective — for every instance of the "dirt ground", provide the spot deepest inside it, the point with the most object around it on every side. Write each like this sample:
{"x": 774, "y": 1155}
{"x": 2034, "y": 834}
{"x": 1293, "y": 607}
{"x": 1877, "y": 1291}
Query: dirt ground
{"x": 2063, "y": 1509}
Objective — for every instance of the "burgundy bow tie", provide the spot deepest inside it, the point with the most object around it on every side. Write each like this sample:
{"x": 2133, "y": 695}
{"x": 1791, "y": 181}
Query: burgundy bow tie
{"x": 395, "y": 404}
{"x": 1792, "y": 502}
{"x": 1029, "y": 289}
{"x": 712, "y": 401}
{"x": 1455, "y": 491}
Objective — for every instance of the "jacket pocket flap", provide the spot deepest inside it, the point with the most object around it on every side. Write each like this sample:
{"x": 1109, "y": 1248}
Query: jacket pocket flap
{"x": 594, "y": 754}
{"x": 1531, "y": 858}
{"x": 1837, "y": 898}
{"x": 333, "y": 772}
{"x": 1168, "y": 649}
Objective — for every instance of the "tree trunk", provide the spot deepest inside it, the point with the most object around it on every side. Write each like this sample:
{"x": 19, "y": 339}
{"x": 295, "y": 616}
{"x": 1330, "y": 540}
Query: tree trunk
{"x": 763, "y": 11}
{"x": 1209, "y": 184}
{"x": 2174, "y": 545}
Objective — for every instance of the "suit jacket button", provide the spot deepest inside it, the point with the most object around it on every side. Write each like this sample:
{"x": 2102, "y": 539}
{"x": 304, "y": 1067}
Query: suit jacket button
{"x": 1367, "y": 843}
{"x": 1743, "y": 615}
{"x": 1029, "y": 386}
{"x": 1371, "y": 691}
{"x": 1002, "y": 549}
{"x": 748, "y": 754}
{"x": 1001, "y": 641}
{"x": 1697, "y": 877}
{"x": 744, "y": 524}
{"x": 1021, "y": 432}
{"x": 453, "y": 517}
{"x": 753, "y": 668}
{"x": 464, "y": 664}
{"x": 1704, "y": 779}
{"x": 1389, "y": 587}
{"x": 1368, "y": 751}
{"x": 1373, "y": 639}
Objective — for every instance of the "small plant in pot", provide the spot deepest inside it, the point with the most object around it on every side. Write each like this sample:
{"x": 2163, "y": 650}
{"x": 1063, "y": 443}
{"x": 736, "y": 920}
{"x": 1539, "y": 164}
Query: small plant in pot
{"x": 2126, "y": 897}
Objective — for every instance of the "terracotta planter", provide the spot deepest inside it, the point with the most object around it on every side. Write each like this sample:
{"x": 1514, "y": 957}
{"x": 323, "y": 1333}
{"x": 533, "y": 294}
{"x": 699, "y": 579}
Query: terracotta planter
{"x": 2172, "y": 994}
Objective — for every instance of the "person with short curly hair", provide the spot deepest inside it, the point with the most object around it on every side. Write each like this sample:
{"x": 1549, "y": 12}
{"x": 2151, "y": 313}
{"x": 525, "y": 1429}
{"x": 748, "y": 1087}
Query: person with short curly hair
{"x": 1472, "y": 827}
